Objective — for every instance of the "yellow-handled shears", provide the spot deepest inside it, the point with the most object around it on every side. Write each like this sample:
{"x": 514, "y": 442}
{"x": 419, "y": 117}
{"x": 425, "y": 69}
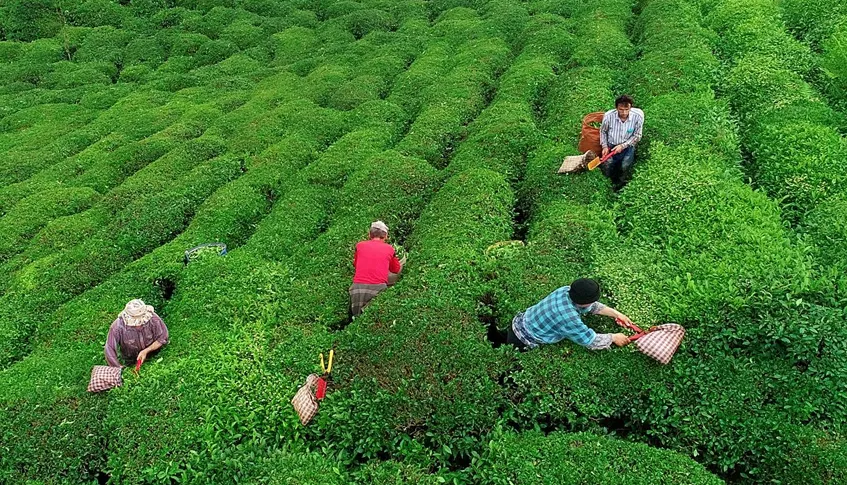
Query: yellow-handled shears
{"x": 327, "y": 369}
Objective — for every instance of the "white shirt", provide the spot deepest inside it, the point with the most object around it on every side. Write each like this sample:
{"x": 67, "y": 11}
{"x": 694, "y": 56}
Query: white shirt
{"x": 614, "y": 132}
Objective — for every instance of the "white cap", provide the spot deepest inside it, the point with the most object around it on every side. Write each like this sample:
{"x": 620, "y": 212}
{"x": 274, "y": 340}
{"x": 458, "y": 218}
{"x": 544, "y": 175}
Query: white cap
{"x": 380, "y": 225}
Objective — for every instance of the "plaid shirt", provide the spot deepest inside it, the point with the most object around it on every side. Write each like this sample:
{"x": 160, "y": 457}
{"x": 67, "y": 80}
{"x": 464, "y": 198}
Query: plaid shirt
{"x": 555, "y": 318}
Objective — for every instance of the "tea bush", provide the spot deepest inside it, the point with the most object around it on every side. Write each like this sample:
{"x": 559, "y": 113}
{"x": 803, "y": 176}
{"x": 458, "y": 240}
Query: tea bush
{"x": 767, "y": 90}
{"x": 140, "y": 278}
{"x": 813, "y": 22}
{"x": 812, "y": 177}
{"x": 26, "y": 20}
{"x": 31, "y": 213}
{"x": 454, "y": 101}
{"x": 531, "y": 457}
{"x": 832, "y": 63}
{"x": 96, "y": 13}
{"x": 132, "y": 132}
{"x": 395, "y": 342}
{"x": 756, "y": 339}
{"x": 756, "y": 27}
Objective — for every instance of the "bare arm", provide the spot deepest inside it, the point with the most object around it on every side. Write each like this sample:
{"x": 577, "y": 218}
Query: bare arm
{"x": 142, "y": 356}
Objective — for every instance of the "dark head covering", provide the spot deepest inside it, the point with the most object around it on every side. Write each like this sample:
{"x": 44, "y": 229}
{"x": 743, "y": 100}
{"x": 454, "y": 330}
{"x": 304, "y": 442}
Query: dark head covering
{"x": 584, "y": 291}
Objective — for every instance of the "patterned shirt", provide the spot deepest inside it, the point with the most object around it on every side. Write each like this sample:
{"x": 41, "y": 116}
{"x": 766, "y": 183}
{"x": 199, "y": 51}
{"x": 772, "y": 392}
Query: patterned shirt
{"x": 556, "y": 318}
{"x": 132, "y": 340}
{"x": 614, "y": 132}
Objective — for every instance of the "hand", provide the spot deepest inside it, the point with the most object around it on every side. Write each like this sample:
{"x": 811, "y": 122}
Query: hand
{"x": 620, "y": 339}
{"x": 618, "y": 149}
{"x": 403, "y": 261}
{"x": 141, "y": 357}
{"x": 605, "y": 151}
{"x": 625, "y": 319}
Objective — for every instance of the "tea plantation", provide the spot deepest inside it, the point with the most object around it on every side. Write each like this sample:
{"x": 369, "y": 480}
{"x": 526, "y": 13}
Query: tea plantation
{"x": 133, "y": 130}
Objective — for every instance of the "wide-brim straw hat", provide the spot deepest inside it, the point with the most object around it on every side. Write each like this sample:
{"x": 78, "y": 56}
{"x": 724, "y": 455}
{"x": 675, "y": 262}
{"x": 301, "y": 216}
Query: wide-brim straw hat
{"x": 136, "y": 313}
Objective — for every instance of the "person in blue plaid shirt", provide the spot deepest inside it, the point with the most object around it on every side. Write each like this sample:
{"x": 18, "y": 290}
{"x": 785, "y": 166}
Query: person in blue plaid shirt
{"x": 558, "y": 317}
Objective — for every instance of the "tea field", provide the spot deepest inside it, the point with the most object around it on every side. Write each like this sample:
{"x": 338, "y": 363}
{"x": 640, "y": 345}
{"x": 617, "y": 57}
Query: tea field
{"x": 134, "y": 130}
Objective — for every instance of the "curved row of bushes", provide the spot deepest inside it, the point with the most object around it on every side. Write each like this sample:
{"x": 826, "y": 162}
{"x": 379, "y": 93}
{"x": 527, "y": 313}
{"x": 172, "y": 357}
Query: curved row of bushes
{"x": 98, "y": 168}
{"x": 706, "y": 251}
{"x": 793, "y": 137}
{"x": 307, "y": 209}
{"x": 822, "y": 25}
{"x": 230, "y": 215}
{"x": 161, "y": 266}
{"x": 420, "y": 380}
{"x": 418, "y": 393}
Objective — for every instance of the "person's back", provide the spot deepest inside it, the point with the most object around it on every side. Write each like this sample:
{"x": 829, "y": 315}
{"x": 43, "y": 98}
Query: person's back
{"x": 559, "y": 316}
{"x": 373, "y": 261}
{"x": 556, "y": 317}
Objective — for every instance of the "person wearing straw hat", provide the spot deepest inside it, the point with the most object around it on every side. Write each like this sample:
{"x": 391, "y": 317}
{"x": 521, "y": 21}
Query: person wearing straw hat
{"x": 137, "y": 333}
{"x": 558, "y": 317}
{"x": 375, "y": 263}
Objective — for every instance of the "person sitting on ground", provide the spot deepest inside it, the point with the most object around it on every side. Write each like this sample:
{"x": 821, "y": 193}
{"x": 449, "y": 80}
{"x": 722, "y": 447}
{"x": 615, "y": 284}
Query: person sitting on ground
{"x": 619, "y": 133}
{"x": 375, "y": 264}
{"x": 557, "y": 317}
{"x": 137, "y": 332}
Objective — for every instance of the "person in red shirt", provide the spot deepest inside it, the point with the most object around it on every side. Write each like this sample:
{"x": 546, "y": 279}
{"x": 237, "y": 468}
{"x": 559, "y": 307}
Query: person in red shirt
{"x": 376, "y": 267}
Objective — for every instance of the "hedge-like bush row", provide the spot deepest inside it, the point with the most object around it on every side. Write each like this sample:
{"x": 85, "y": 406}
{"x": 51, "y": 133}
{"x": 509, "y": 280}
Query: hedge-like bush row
{"x": 832, "y": 62}
{"x": 32, "y": 213}
{"x": 400, "y": 347}
{"x": 359, "y": 183}
{"x": 230, "y": 292}
{"x": 570, "y": 222}
{"x": 95, "y": 171}
{"x": 101, "y": 50}
{"x": 229, "y": 215}
{"x": 377, "y": 116}
{"x": 144, "y": 223}
{"x": 239, "y": 291}
{"x": 26, "y": 129}
{"x": 132, "y": 118}
{"x": 131, "y": 238}
{"x": 565, "y": 215}
{"x": 793, "y": 151}
{"x": 432, "y": 64}
{"x": 455, "y": 100}
{"x": 532, "y": 457}
{"x": 813, "y": 22}
{"x": 756, "y": 26}
{"x": 724, "y": 306}
{"x": 106, "y": 164}
{"x": 401, "y": 378}
{"x": 505, "y": 132}
{"x": 415, "y": 379}
{"x": 792, "y": 136}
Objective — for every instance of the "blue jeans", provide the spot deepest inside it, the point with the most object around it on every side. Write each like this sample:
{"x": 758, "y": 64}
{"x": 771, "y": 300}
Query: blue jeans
{"x": 617, "y": 167}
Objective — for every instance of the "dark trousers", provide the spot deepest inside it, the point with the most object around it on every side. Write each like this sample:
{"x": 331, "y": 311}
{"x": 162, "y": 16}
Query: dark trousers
{"x": 513, "y": 339}
{"x": 499, "y": 337}
{"x": 618, "y": 167}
